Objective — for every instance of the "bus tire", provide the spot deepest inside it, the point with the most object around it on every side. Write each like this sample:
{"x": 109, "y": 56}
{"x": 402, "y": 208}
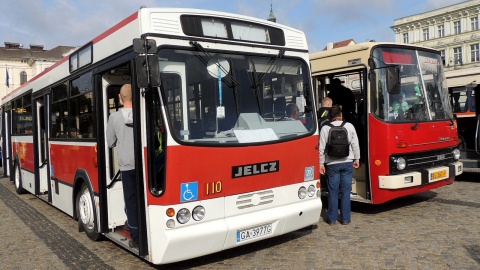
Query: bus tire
{"x": 87, "y": 220}
{"x": 17, "y": 179}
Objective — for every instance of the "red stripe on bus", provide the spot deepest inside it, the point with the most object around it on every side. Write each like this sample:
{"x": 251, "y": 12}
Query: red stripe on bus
{"x": 119, "y": 25}
{"x": 105, "y": 34}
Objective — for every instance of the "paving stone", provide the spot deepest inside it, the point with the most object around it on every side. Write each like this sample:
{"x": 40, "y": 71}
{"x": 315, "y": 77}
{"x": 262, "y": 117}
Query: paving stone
{"x": 438, "y": 229}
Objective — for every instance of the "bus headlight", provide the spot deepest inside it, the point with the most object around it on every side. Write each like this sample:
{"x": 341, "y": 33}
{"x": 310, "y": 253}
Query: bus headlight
{"x": 311, "y": 191}
{"x": 456, "y": 153}
{"x": 401, "y": 163}
{"x": 302, "y": 193}
{"x": 198, "y": 213}
{"x": 183, "y": 215}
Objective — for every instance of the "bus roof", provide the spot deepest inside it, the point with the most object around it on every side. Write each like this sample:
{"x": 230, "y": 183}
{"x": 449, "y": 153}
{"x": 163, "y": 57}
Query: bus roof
{"x": 356, "y": 53}
{"x": 163, "y": 21}
{"x": 365, "y": 46}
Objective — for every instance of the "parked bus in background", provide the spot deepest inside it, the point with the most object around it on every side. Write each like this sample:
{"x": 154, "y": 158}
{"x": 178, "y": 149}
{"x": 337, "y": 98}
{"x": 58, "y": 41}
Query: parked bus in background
{"x": 216, "y": 86}
{"x": 402, "y": 114}
{"x": 463, "y": 101}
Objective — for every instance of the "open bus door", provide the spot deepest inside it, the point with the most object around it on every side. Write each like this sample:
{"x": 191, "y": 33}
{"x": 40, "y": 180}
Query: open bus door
{"x": 6, "y": 152}
{"x": 464, "y": 100}
{"x": 477, "y": 113}
{"x": 41, "y": 151}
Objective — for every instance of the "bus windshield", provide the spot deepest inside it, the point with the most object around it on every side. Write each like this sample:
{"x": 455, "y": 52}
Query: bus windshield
{"x": 235, "y": 98}
{"x": 423, "y": 92}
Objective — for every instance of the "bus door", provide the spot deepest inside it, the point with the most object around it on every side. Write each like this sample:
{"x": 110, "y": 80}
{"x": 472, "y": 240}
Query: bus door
{"x": 111, "y": 82}
{"x": 116, "y": 212}
{"x": 477, "y": 113}
{"x": 6, "y": 143}
{"x": 463, "y": 101}
{"x": 41, "y": 151}
{"x": 354, "y": 80}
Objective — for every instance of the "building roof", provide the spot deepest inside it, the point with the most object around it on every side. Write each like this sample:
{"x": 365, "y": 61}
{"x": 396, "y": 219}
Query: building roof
{"x": 14, "y": 52}
{"x": 340, "y": 44}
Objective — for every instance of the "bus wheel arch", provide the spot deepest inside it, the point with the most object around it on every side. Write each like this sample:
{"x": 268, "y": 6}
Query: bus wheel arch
{"x": 17, "y": 177}
{"x": 85, "y": 211}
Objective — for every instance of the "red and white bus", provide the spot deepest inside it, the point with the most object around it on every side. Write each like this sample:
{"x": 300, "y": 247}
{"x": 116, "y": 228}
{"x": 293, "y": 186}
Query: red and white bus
{"x": 404, "y": 121}
{"x": 236, "y": 169}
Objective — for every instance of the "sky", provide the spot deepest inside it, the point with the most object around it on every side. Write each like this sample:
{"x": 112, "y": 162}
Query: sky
{"x": 74, "y": 23}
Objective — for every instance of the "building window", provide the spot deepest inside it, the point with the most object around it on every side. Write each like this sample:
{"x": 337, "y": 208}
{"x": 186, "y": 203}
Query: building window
{"x": 23, "y": 77}
{"x": 441, "y": 31}
{"x": 425, "y": 34}
{"x": 457, "y": 29}
{"x": 442, "y": 55}
{"x": 405, "y": 38}
{"x": 474, "y": 22}
{"x": 474, "y": 53}
{"x": 457, "y": 54}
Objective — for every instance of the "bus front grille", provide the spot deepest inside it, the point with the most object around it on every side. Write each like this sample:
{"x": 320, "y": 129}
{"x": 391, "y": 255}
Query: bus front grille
{"x": 255, "y": 199}
{"x": 422, "y": 160}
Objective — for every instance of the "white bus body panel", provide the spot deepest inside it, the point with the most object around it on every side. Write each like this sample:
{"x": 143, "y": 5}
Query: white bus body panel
{"x": 217, "y": 232}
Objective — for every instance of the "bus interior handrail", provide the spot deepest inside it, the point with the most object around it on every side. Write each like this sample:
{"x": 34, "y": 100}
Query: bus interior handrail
{"x": 476, "y": 135}
{"x": 115, "y": 179}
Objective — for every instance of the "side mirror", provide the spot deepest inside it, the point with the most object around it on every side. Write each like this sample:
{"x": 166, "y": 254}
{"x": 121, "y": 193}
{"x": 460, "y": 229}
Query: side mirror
{"x": 147, "y": 66}
{"x": 144, "y": 74}
{"x": 393, "y": 80}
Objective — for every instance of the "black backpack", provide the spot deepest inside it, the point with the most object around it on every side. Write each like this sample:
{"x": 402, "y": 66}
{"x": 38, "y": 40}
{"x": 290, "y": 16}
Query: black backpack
{"x": 338, "y": 145}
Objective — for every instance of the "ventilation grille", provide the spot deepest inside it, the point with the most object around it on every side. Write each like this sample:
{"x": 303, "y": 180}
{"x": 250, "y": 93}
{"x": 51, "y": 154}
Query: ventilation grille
{"x": 255, "y": 199}
{"x": 166, "y": 26}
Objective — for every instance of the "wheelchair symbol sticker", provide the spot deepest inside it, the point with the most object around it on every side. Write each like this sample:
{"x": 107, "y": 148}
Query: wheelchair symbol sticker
{"x": 309, "y": 173}
{"x": 188, "y": 192}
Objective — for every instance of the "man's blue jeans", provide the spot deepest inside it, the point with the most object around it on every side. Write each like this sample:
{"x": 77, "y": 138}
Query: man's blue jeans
{"x": 339, "y": 181}
{"x": 130, "y": 197}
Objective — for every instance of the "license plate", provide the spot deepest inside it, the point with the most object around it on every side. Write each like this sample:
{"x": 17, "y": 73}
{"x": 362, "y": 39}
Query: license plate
{"x": 438, "y": 175}
{"x": 253, "y": 232}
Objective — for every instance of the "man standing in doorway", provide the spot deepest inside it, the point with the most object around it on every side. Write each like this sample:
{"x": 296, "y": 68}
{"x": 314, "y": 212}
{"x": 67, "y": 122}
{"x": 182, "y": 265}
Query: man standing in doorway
{"x": 120, "y": 135}
{"x": 339, "y": 169}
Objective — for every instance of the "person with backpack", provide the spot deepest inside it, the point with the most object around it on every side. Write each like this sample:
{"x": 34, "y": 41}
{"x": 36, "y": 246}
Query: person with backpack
{"x": 339, "y": 154}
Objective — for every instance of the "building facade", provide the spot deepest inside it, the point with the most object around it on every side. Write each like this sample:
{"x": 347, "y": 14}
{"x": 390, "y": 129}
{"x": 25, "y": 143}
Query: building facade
{"x": 454, "y": 31}
{"x": 18, "y": 64}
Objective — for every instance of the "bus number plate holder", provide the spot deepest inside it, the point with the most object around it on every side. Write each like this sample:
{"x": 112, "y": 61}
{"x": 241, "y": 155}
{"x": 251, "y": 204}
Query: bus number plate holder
{"x": 254, "y": 232}
{"x": 438, "y": 175}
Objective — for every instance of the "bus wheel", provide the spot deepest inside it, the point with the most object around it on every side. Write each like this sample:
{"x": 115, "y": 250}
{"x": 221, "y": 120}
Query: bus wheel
{"x": 86, "y": 215}
{"x": 18, "y": 179}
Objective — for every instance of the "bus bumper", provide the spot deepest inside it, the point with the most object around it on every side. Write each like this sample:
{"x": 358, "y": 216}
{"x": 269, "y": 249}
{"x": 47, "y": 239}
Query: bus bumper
{"x": 419, "y": 178}
{"x": 227, "y": 226}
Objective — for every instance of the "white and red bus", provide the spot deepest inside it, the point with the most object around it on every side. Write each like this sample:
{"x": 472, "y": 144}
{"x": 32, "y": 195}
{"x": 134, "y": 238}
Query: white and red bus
{"x": 404, "y": 121}
{"x": 216, "y": 85}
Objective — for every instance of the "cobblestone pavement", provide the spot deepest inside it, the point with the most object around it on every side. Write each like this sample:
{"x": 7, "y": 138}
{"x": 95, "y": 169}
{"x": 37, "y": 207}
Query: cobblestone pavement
{"x": 438, "y": 229}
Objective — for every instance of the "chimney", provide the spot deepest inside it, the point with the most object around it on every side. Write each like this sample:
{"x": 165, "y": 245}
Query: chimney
{"x": 36, "y": 48}
{"x": 12, "y": 46}
{"x": 329, "y": 45}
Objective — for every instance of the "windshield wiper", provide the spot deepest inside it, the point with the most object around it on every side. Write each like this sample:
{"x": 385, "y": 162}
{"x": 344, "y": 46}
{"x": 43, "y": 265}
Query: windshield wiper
{"x": 255, "y": 87}
{"x": 234, "y": 87}
{"x": 270, "y": 66}
{"x": 233, "y": 83}
{"x": 200, "y": 48}
{"x": 422, "y": 110}
{"x": 259, "y": 81}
